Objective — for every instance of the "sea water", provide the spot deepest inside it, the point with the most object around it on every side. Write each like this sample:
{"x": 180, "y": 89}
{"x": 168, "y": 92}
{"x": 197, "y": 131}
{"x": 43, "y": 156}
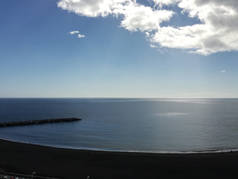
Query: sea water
{"x": 143, "y": 125}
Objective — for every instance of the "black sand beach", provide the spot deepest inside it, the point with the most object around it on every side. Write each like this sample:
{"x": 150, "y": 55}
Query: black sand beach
{"x": 68, "y": 163}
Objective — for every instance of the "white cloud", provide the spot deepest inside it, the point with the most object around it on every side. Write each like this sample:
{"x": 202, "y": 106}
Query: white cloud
{"x": 217, "y": 30}
{"x": 135, "y": 16}
{"x": 153, "y": 46}
{"x": 91, "y": 8}
{"x": 223, "y": 71}
{"x": 162, "y": 3}
{"x": 143, "y": 18}
{"x": 77, "y": 32}
{"x": 81, "y": 36}
{"x": 74, "y": 32}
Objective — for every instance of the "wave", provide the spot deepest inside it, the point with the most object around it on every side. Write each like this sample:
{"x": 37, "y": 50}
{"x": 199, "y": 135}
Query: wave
{"x": 127, "y": 151}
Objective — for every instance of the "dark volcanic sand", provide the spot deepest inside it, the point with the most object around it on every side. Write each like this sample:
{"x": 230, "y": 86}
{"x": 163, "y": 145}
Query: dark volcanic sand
{"x": 69, "y": 164}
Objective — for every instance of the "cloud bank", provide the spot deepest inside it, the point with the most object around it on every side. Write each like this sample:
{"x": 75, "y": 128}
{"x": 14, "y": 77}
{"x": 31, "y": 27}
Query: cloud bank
{"x": 217, "y": 30}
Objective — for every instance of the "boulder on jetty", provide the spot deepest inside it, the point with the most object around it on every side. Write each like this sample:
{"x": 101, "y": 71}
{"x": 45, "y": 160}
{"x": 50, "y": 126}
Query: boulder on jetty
{"x": 37, "y": 122}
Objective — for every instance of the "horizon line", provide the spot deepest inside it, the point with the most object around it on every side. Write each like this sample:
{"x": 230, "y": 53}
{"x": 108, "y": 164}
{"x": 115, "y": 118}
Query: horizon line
{"x": 118, "y": 97}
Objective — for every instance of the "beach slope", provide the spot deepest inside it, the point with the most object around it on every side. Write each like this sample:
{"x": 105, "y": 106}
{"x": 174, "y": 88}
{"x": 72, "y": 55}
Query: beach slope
{"x": 69, "y": 163}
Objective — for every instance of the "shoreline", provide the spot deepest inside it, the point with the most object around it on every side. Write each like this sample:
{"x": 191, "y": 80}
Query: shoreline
{"x": 124, "y": 151}
{"x": 74, "y": 163}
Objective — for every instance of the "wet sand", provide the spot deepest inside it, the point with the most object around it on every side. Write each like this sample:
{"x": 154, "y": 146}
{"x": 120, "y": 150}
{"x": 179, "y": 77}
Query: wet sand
{"x": 70, "y": 163}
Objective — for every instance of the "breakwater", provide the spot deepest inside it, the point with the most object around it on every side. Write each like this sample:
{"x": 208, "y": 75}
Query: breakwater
{"x": 37, "y": 122}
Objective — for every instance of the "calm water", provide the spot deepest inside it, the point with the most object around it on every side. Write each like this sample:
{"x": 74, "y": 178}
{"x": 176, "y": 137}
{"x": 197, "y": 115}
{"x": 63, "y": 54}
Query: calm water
{"x": 153, "y": 125}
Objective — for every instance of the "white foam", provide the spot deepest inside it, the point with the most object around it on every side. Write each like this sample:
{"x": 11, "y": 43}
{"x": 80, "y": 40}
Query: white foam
{"x": 126, "y": 151}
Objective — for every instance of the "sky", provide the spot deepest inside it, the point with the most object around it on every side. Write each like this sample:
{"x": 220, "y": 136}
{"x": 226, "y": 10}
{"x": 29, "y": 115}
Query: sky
{"x": 119, "y": 48}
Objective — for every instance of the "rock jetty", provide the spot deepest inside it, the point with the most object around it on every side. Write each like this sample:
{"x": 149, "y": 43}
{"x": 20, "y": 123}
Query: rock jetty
{"x": 37, "y": 122}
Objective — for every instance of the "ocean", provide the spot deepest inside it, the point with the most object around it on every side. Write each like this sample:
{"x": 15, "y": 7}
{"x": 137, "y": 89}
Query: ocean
{"x": 142, "y": 125}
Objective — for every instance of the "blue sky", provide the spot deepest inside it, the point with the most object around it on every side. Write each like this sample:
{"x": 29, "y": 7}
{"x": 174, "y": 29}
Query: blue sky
{"x": 39, "y": 58}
